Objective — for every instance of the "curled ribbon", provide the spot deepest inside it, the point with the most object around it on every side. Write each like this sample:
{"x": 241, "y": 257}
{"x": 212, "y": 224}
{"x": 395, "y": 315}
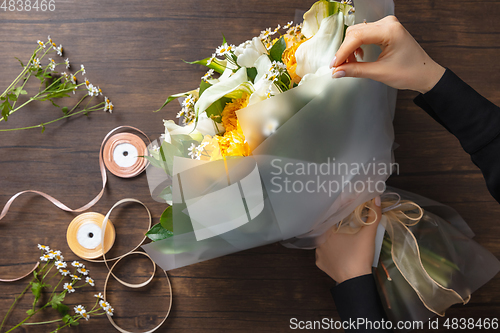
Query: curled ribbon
{"x": 62, "y": 206}
{"x": 405, "y": 251}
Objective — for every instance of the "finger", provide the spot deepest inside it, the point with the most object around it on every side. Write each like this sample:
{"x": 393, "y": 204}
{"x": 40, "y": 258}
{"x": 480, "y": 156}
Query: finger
{"x": 351, "y": 58}
{"x": 370, "y": 70}
{"x": 357, "y": 35}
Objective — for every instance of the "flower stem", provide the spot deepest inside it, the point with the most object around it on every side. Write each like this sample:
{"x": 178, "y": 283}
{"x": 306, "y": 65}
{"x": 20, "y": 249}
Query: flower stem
{"x": 43, "y": 322}
{"x": 14, "y": 303}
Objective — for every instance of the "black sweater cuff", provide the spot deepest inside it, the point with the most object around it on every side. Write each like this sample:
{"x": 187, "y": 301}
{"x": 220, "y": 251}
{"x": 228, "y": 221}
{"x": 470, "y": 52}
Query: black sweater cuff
{"x": 358, "y": 298}
{"x": 462, "y": 111}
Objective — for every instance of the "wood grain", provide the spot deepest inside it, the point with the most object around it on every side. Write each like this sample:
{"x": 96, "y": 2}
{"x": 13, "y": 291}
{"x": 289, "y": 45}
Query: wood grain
{"x": 134, "y": 50}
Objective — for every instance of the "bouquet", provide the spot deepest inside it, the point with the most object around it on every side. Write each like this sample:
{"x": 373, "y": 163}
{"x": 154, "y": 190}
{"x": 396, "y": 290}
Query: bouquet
{"x": 274, "y": 149}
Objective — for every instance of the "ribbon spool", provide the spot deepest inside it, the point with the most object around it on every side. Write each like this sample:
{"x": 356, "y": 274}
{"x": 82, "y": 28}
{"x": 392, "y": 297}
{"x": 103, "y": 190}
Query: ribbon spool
{"x": 84, "y": 236}
{"x": 121, "y": 155}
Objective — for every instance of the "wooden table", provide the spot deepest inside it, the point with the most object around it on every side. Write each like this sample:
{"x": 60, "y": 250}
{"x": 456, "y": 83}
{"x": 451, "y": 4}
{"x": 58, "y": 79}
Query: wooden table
{"x": 133, "y": 50}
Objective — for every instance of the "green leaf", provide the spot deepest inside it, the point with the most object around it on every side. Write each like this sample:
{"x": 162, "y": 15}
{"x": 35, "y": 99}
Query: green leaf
{"x": 158, "y": 233}
{"x": 204, "y": 85}
{"x": 6, "y": 107}
{"x": 66, "y": 318}
{"x": 277, "y": 50}
{"x": 62, "y": 309}
{"x": 12, "y": 97}
{"x": 56, "y": 300}
{"x": 166, "y": 194}
{"x": 36, "y": 289}
{"x": 213, "y": 65}
{"x": 224, "y": 39}
{"x": 214, "y": 111}
{"x": 30, "y": 312}
{"x": 43, "y": 127}
{"x": 22, "y": 65}
{"x": 252, "y": 73}
{"x": 57, "y": 106}
{"x": 167, "y": 220}
{"x": 19, "y": 91}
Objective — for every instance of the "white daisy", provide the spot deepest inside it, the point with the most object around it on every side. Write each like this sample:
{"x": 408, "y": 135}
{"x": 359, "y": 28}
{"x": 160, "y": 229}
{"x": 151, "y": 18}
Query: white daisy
{"x": 67, "y": 63}
{"x": 52, "y": 64}
{"x": 193, "y": 152}
{"x": 108, "y": 106}
{"x": 211, "y": 59}
{"x": 43, "y": 247}
{"x": 85, "y": 315}
{"x": 75, "y": 277}
{"x": 42, "y": 44}
{"x": 288, "y": 25}
{"x": 50, "y": 39}
{"x": 59, "y": 50}
{"x": 83, "y": 70}
{"x": 83, "y": 270}
{"x": 80, "y": 309}
{"x": 208, "y": 75}
{"x": 61, "y": 264}
{"x": 76, "y": 264}
{"x": 64, "y": 272}
{"x": 109, "y": 311}
{"x": 46, "y": 257}
{"x": 104, "y": 305}
{"x": 36, "y": 64}
{"x": 99, "y": 296}
{"x": 225, "y": 49}
{"x": 90, "y": 281}
{"x": 69, "y": 288}
{"x": 73, "y": 79}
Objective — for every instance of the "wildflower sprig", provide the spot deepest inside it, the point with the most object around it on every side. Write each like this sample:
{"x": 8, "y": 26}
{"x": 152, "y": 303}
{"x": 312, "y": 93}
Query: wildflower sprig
{"x": 72, "y": 276}
{"x": 53, "y": 85}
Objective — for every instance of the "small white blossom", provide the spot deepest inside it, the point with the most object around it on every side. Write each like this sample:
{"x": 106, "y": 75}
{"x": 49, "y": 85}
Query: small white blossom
{"x": 46, "y": 257}
{"x": 36, "y": 63}
{"x": 277, "y": 28}
{"x": 80, "y": 309}
{"x": 75, "y": 277}
{"x": 66, "y": 62}
{"x": 73, "y": 79}
{"x": 108, "y": 105}
{"x": 42, "y": 44}
{"x": 83, "y": 270}
{"x": 288, "y": 25}
{"x": 109, "y": 311}
{"x": 225, "y": 49}
{"x": 194, "y": 152}
{"x": 90, "y": 281}
{"x": 99, "y": 296}
{"x": 52, "y": 64}
{"x": 208, "y": 75}
{"x": 77, "y": 264}
{"x": 180, "y": 113}
{"x": 64, "y": 272}
{"x": 61, "y": 264}
{"x": 43, "y": 247}
{"x": 211, "y": 59}
{"x": 99, "y": 91}
{"x": 83, "y": 70}
{"x": 69, "y": 288}
{"x": 86, "y": 316}
{"x": 59, "y": 50}
{"x": 104, "y": 305}
{"x": 50, "y": 39}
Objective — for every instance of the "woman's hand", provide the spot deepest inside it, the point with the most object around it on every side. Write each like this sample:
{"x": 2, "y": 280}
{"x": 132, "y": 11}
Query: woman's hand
{"x": 403, "y": 64}
{"x": 346, "y": 256}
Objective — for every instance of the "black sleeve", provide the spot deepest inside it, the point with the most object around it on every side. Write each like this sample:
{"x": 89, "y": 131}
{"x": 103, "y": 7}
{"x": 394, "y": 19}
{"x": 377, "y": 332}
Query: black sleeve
{"x": 358, "y": 298}
{"x": 473, "y": 119}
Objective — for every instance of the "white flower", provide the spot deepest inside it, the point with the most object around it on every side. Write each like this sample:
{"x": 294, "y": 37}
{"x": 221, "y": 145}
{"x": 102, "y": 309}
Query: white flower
{"x": 208, "y": 75}
{"x": 277, "y": 28}
{"x": 58, "y": 256}
{"x": 36, "y": 63}
{"x": 76, "y": 264}
{"x": 267, "y": 33}
{"x": 99, "y": 296}
{"x": 43, "y": 247}
{"x": 42, "y": 44}
{"x": 91, "y": 90}
{"x": 288, "y": 25}
{"x": 69, "y": 288}
{"x": 83, "y": 270}
{"x": 46, "y": 257}
{"x": 67, "y": 63}
{"x": 209, "y": 61}
{"x": 109, "y": 311}
{"x": 225, "y": 49}
{"x": 99, "y": 91}
{"x": 59, "y": 50}
{"x": 90, "y": 281}
{"x": 193, "y": 152}
{"x": 73, "y": 79}
{"x": 87, "y": 83}
{"x": 85, "y": 315}
{"x": 104, "y": 305}
{"x": 50, "y": 39}
{"x": 249, "y": 52}
{"x": 61, "y": 264}
{"x": 75, "y": 277}
{"x": 80, "y": 309}
{"x": 108, "y": 106}
{"x": 52, "y": 64}
{"x": 180, "y": 113}
{"x": 64, "y": 272}
{"x": 83, "y": 70}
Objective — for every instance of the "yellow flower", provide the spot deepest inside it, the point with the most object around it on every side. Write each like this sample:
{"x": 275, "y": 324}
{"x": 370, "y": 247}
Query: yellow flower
{"x": 288, "y": 56}
{"x": 233, "y": 142}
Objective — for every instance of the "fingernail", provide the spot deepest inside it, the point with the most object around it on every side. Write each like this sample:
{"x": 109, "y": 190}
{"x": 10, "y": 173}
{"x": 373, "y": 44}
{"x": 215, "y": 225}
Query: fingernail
{"x": 338, "y": 75}
{"x": 378, "y": 201}
{"x": 333, "y": 62}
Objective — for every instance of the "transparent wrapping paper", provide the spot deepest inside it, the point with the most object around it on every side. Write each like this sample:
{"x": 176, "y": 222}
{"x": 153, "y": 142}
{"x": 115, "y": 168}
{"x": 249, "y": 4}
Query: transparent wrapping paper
{"x": 456, "y": 263}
